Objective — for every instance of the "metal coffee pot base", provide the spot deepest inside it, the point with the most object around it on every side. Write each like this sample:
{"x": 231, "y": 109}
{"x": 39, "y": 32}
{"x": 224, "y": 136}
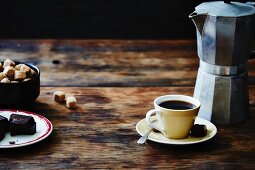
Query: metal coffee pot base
{"x": 224, "y": 99}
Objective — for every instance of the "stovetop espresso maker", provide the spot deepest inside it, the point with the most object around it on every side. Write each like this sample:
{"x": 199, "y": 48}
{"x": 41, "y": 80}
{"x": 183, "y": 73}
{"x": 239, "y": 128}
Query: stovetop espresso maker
{"x": 224, "y": 39}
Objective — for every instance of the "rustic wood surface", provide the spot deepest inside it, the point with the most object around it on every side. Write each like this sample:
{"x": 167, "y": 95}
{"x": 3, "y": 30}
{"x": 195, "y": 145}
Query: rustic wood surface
{"x": 104, "y": 63}
{"x": 101, "y": 133}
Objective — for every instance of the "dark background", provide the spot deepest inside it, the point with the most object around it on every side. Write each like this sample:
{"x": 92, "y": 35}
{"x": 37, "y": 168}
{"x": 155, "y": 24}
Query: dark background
{"x": 122, "y": 19}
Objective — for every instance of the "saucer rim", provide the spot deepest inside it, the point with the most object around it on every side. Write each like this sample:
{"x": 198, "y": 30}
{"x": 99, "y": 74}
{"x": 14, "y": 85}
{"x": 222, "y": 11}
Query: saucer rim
{"x": 176, "y": 141}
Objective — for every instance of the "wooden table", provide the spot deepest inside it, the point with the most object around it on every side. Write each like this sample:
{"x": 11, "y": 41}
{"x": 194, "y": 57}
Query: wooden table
{"x": 115, "y": 83}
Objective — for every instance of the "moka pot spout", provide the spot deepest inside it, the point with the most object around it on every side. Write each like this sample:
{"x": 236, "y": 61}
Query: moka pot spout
{"x": 199, "y": 20}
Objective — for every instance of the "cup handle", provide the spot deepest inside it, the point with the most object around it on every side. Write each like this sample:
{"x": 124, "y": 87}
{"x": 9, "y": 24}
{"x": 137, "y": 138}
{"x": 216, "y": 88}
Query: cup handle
{"x": 148, "y": 119}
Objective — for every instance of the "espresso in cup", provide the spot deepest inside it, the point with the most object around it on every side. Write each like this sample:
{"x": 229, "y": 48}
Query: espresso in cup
{"x": 177, "y": 105}
{"x": 175, "y": 115}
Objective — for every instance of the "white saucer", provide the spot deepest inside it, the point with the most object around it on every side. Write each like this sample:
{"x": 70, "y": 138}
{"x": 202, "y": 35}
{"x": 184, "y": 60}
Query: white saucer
{"x": 43, "y": 130}
{"x": 142, "y": 127}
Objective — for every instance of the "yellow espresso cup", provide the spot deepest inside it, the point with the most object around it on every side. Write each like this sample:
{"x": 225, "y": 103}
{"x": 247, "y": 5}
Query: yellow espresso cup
{"x": 175, "y": 114}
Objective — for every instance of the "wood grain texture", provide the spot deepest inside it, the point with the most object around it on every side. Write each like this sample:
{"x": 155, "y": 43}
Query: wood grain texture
{"x": 107, "y": 63}
{"x": 110, "y": 62}
{"x": 100, "y": 133}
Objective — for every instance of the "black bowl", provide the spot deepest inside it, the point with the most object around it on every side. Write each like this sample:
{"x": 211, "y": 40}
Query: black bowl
{"x": 23, "y": 93}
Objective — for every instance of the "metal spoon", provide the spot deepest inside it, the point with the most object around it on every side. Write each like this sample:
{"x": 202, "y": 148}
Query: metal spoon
{"x": 144, "y": 138}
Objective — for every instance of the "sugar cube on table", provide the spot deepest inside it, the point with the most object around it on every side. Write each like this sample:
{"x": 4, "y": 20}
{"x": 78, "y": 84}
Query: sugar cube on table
{"x": 71, "y": 102}
{"x": 59, "y": 96}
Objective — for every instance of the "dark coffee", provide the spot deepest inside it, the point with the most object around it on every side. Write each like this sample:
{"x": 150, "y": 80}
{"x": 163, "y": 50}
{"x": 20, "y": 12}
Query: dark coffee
{"x": 177, "y": 105}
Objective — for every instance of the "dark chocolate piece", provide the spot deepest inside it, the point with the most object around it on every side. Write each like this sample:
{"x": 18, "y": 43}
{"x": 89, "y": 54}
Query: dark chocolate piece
{"x": 2, "y": 132}
{"x": 22, "y": 125}
{"x": 198, "y": 130}
{"x": 4, "y": 126}
{"x": 4, "y": 122}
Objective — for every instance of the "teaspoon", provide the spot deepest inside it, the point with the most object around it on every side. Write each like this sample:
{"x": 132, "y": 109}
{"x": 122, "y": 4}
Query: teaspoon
{"x": 144, "y": 138}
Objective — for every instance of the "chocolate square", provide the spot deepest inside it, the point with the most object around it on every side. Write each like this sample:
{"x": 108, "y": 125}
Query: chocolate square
{"x": 2, "y": 132}
{"x": 4, "y": 123}
{"x": 22, "y": 125}
{"x": 4, "y": 126}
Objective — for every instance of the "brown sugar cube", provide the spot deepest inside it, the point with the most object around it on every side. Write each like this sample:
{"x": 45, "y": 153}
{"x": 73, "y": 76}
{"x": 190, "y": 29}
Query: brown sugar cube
{"x": 32, "y": 72}
{"x": 17, "y": 67}
{"x": 19, "y": 75}
{"x": 59, "y": 96}
{"x": 1, "y": 67}
{"x": 25, "y": 68}
{"x": 5, "y": 80}
{"x": 71, "y": 102}
{"x": 27, "y": 79}
{"x": 9, "y": 62}
{"x": 2, "y": 76}
{"x": 9, "y": 71}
